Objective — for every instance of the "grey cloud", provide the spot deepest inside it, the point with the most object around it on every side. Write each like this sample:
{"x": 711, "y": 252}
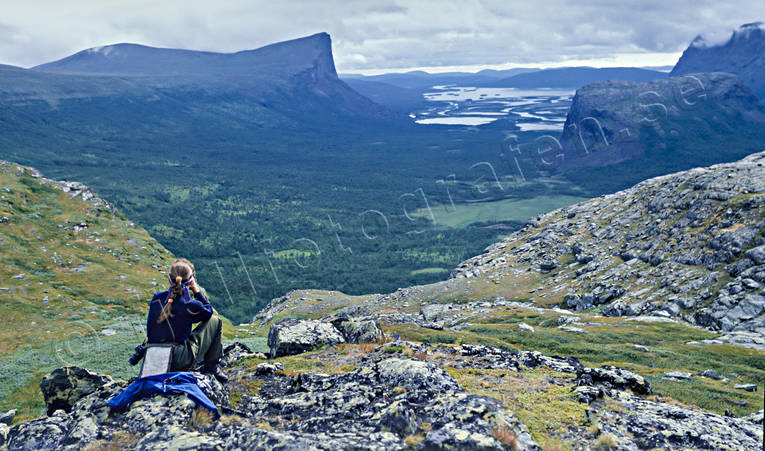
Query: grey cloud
{"x": 374, "y": 34}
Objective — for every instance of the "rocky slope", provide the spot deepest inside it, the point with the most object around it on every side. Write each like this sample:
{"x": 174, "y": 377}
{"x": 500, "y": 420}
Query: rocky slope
{"x": 664, "y": 279}
{"x": 616, "y": 121}
{"x": 688, "y": 245}
{"x": 742, "y": 54}
{"x": 395, "y": 396}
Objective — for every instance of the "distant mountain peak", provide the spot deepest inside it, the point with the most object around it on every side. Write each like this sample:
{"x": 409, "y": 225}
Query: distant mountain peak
{"x": 744, "y": 32}
{"x": 741, "y": 52}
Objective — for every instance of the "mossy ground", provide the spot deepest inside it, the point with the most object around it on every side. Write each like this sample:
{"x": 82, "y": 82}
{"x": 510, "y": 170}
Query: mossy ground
{"x": 609, "y": 341}
{"x": 549, "y": 410}
{"x": 605, "y": 341}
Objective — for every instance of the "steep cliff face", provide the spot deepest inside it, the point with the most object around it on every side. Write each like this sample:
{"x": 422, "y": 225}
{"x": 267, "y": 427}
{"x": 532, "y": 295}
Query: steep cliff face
{"x": 661, "y": 122}
{"x": 743, "y": 54}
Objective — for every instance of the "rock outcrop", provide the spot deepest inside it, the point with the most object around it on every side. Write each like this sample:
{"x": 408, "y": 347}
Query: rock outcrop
{"x": 293, "y": 336}
{"x": 357, "y": 330}
{"x": 686, "y": 246}
{"x": 649, "y": 425}
{"x": 65, "y": 386}
{"x": 388, "y": 402}
{"x": 374, "y": 407}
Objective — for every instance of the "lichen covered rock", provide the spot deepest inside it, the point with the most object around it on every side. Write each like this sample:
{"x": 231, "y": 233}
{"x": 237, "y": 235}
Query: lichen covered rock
{"x": 642, "y": 424}
{"x": 388, "y": 402}
{"x": 358, "y": 330}
{"x": 293, "y": 336}
{"x": 65, "y": 386}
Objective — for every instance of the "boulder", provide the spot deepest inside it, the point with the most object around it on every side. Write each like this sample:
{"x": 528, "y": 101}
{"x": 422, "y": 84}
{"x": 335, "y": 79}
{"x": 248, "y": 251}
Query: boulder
{"x": 434, "y": 312}
{"x": 756, "y": 418}
{"x": 757, "y": 254}
{"x": 65, "y": 386}
{"x": 588, "y": 394}
{"x": 547, "y": 265}
{"x": 415, "y": 375}
{"x": 746, "y": 387}
{"x": 7, "y": 417}
{"x": 358, "y": 330}
{"x": 234, "y": 352}
{"x": 43, "y": 433}
{"x": 294, "y": 336}
{"x": 711, "y": 374}
{"x": 614, "y": 377}
{"x": 525, "y": 327}
{"x": 268, "y": 368}
{"x": 678, "y": 374}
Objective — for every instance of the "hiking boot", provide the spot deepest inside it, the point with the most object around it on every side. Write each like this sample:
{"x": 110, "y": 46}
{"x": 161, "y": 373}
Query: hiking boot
{"x": 216, "y": 371}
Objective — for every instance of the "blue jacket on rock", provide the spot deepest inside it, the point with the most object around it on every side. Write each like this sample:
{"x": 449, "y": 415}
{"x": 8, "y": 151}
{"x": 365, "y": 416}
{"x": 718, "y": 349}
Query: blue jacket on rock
{"x": 160, "y": 384}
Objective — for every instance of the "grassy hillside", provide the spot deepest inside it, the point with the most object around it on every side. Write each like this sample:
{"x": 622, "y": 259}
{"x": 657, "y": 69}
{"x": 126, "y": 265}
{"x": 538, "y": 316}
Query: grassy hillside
{"x": 75, "y": 280}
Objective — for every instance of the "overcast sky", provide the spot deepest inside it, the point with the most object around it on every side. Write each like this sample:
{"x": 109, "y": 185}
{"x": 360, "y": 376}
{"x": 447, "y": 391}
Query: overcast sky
{"x": 374, "y": 36}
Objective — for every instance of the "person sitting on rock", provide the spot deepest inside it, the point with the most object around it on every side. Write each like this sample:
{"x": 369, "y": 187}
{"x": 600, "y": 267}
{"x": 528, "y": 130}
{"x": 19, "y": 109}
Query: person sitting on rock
{"x": 171, "y": 315}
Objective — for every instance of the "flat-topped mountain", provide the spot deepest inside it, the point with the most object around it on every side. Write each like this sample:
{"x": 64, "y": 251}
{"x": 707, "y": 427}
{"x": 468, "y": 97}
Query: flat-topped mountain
{"x": 311, "y": 53}
{"x": 641, "y": 130}
{"x": 743, "y": 54}
{"x": 292, "y": 82}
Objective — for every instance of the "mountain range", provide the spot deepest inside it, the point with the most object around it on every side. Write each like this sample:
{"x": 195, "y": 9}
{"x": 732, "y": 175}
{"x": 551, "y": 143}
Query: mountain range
{"x": 269, "y": 157}
{"x": 404, "y": 92}
{"x": 575, "y": 77}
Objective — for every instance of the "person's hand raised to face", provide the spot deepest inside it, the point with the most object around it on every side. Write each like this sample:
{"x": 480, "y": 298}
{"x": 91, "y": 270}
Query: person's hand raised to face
{"x": 193, "y": 285}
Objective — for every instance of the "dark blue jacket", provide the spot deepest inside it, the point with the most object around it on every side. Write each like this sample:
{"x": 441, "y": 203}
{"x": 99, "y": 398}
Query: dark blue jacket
{"x": 179, "y": 382}
{"x": 186, "y": 311}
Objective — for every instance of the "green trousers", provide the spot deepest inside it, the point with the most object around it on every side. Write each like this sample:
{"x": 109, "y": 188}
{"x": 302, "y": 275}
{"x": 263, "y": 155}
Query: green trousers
{"x": 202, "y": 348}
